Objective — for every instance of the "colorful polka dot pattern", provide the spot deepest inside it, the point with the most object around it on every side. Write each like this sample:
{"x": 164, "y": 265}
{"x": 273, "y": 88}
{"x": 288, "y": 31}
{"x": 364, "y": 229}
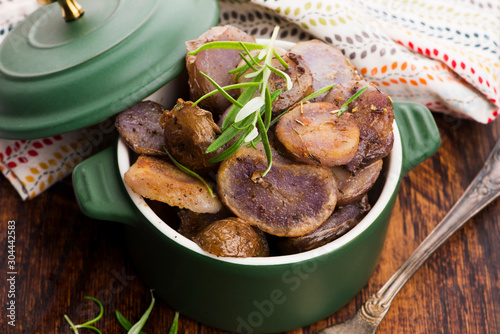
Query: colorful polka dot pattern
{"x": 441, "y": 53}
{"x": 32, "y": 166}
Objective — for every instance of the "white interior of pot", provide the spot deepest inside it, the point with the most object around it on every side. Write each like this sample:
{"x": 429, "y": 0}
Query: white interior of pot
{"x": 391, "y": 172}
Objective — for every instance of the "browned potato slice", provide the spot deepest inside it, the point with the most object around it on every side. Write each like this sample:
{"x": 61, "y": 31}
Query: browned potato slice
{"x": 216, "y": 63}
{"x": 291, "y": 200}
{"x": 188, "y": 131}
{"x": 140, "y": 128}
{"x": 314, "y": 134}
{"x": 339, "y": 223}
{"x": 300, "y": 75}
{"x": 352, "y": 186}
{"x": 157, "y": 179}
{"x": 232, "y": 237}
{"x": 326, "y": 63}
{"x": 191, "y": 223}
{"x": 373, "y": 112}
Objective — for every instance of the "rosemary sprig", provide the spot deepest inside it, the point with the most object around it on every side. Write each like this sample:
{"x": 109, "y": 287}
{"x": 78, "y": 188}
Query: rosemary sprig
{"x": 175, "y": 324}
{"x": 343, "y": 108}
{"x": 136, "y": 329}
{"x": 189, "y": 172}
{"x": 124, "y": 321}
{"x": 228, "y": 45}
{"x": 87, "y": 324}
{"x": 130, "y": 328}
{"x": 249, "y": 118}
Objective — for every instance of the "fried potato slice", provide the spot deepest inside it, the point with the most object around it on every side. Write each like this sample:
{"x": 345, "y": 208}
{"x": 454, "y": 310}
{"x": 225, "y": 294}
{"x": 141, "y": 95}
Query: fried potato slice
{"x": 327, "y": 64}
{"x": 138, "y": 125}
{"x": 340, "y": 222}
{"x": 314, "y": 134}
{"x": 291, "y": 200}
{"x": 159, "y": 180}
{"x": 352, "y": 186}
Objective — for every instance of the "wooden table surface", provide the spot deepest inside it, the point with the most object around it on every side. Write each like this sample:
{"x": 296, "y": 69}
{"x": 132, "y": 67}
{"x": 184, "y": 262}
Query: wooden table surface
{"x": 62, "y": 256}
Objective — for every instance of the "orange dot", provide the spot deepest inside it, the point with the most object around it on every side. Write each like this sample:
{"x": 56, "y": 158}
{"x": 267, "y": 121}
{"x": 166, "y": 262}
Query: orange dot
{"x": 403, "y": 80}
{"x": 374, "y": 71}
{"x": 364, "y": 70}
{"x": 422, "y": 81}
{"x": 50, "y": 179}
{"x": 42, "y": 186}
{"x": 385, "y": 83}
{"x": 43, "y": 165}
{"x": 394, "y": 81}
{"x": 73, "y": 146}
{"x": 430, "y": 77}
{"x": 34, "y": 170}
{"x": 413, "y": 82}
{"x": 65, "y": 149}
{"x": 52, "y": 162}
{"x": 383, "y": 69}
{"x": 413, "y": 67}
{"x": 58, "y": 155}
{"x": 30, "y": 178}
{"x": 403, "y": 66}
{"x": 394, "y": 65}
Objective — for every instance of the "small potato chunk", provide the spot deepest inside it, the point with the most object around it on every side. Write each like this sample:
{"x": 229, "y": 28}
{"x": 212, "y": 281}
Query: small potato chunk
{"x": 232, "y": 237}
{"x": 188, "y": 131}
{"x": 140, "y": 128}
{"x": 291, "y": 200}
{"x": 216, "y": 63}
{"x": 327, "y": 64}
{"x": 340, "y": 222}
{"x": 373, "y": 112}
{"x": 156, "y": 179}
{"x": 314, "y": 134}
{"x": 191, "y": 223}
{"x": 353, "y": 186}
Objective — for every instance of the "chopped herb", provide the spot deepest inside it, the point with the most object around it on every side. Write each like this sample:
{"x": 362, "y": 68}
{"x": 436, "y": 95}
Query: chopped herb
{"x": 352, "y": 98}
{"x": 87, "y": 324}
{"x": 190, "y": 172}
{"x": 313, "y": 158}
{"x": 136, "y": 329}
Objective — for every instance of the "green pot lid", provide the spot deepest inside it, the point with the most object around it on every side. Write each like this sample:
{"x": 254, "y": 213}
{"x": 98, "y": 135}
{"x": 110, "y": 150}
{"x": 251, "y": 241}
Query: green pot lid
{"x": 58, "y": 76}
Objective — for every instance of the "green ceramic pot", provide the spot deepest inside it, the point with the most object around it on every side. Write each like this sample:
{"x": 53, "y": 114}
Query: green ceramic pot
{"x": 253, "y": 295}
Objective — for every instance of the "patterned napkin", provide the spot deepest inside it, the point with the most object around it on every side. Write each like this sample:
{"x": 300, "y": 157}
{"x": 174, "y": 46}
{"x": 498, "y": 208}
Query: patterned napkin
{"x": 444, "y": 54}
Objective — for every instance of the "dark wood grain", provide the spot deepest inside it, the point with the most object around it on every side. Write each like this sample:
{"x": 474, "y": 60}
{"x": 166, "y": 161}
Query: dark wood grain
{"x": 62, "y": 256}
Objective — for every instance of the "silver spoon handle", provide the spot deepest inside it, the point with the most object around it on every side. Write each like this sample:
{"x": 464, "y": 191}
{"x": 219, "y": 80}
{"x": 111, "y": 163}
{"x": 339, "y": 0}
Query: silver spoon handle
{"x": 484, "y": 189}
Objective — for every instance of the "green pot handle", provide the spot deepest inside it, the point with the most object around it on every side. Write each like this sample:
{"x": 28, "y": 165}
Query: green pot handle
{"x": 419, "y": 133}
{"x": 100, "y": 191}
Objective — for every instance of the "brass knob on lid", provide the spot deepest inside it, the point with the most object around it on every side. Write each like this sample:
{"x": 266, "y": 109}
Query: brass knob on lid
{"x": 71, "y": 10}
